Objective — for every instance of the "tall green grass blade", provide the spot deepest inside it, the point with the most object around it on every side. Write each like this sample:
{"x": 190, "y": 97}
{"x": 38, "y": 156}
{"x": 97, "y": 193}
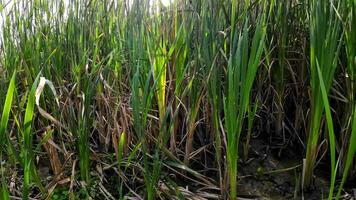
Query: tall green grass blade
{"x": 330, "y": 127}
{"x": 3, "y": 127}
{"x": 7, "y": 109}
{"x": 27, "y": 140}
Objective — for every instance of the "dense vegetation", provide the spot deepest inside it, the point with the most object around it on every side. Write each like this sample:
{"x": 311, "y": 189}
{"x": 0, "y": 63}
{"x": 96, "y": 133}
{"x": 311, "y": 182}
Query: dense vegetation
{"x": 125, "y": 99}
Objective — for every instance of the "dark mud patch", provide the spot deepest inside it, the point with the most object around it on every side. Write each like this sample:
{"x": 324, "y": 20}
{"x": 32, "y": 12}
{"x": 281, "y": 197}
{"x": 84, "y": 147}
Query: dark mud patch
{"x": 268, "y": 174}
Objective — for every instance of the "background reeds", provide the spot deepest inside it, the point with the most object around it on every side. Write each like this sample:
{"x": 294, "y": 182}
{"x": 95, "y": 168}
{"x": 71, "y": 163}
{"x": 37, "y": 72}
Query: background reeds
{"x": 176, "y": 99}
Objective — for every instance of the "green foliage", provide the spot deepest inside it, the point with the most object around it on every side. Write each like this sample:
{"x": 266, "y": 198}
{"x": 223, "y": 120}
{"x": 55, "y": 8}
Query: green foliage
{"x": 177, "y": 83}
{"x": 60, "y": 194}
{"x": 350, "y": 38}
{"x": 3, "y": 126}
{"x": 324, "y": 49}
{"x": 242, "y": 68}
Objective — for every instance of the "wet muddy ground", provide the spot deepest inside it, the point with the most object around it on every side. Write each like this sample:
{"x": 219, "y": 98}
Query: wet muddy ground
{"x": 275, "y": 174}
{"x": 270, "y": 174}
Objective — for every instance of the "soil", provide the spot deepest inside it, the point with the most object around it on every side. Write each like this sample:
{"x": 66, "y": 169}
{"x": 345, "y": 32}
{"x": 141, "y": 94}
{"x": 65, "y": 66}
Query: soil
{"x": 270, "y": 174}
{"x": 267, "y": 174}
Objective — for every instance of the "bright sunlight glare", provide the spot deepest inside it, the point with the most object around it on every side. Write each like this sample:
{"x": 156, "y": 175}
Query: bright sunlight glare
{"x": 166, "y": 2}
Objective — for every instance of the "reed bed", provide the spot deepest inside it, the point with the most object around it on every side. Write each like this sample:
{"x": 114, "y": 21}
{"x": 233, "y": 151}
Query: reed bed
{"x": 150, "y": 99}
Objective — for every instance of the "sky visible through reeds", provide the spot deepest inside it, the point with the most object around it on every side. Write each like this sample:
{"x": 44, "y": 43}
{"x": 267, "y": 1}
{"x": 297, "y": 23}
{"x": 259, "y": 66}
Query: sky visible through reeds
{"x": 6, "y": 5}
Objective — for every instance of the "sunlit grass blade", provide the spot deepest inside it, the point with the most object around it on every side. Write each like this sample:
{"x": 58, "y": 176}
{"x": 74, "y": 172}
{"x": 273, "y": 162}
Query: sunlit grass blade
{"x": 3, "y": 127}
{"x": 7, "y": 109}
{"x": 157, "y": 55}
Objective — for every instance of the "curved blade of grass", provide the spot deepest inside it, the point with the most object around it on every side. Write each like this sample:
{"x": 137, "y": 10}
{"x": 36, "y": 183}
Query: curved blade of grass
{"x": 158, "y": 63}
{"x": 350, "y": 155}
{"x": 330, "y": 127}
{"x": 3, "y": 127}
{"x": 7, "y": 108}
{"x": 27, "y": 138}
